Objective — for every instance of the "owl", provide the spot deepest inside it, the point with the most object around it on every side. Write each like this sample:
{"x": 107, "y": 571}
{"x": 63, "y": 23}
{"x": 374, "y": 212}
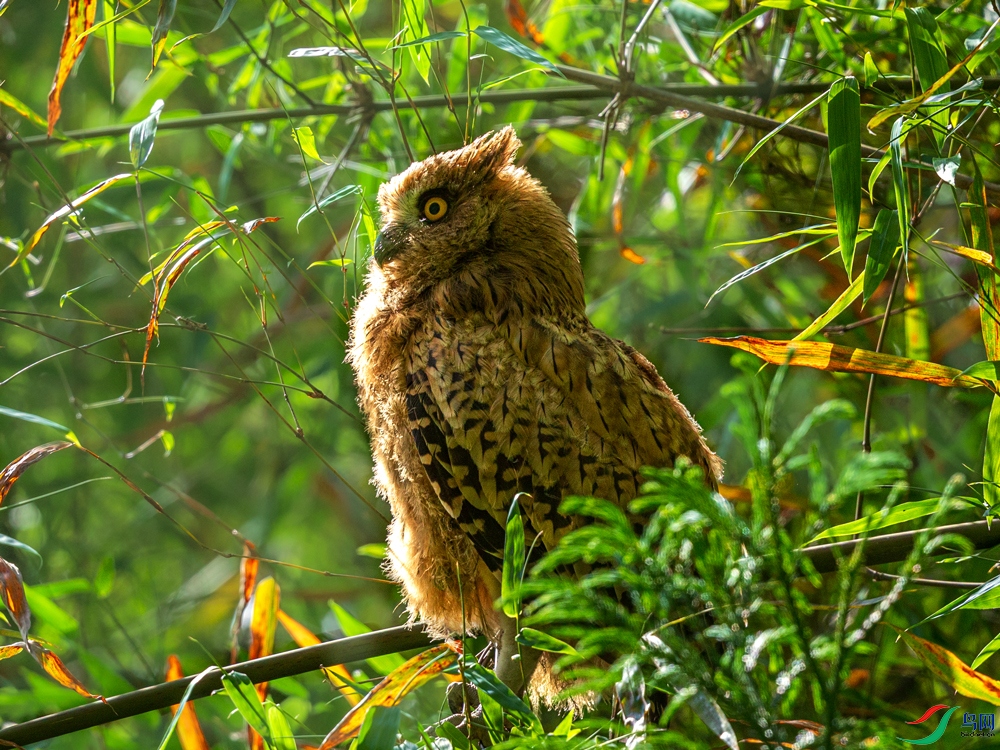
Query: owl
{"x": 481, "y": 377}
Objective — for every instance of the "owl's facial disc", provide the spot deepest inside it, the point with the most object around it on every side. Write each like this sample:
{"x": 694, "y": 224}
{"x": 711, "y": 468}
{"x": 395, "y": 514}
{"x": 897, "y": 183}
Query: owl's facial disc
{"x": 432, "y": 207}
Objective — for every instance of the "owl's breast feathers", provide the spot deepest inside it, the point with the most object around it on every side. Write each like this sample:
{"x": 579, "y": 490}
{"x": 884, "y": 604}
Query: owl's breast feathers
{"x": 505, "y": 402}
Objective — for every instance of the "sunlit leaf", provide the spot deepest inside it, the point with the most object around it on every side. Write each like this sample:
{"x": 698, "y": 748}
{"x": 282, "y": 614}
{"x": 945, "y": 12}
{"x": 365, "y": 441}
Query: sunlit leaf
{"x": 307, "y": 142}
{"x": 244, "y": 696}
{"x": 380, "y": 727}
{"x": 79, "y": 17}
{"x": 840, "y": 304}
{"x": 882, "y": 519}
{"x": 490, "y": 684}
{"x": 508, "y": 44}
{"x": 408, "y": 677}
{"x": 901, "y": 184}
{"x": 991, "y": 457}
{"x": 12, "y": 593}
{"x": 34, "y": 419}
{"x": 164, "y": 17}
{"x": 871, "y": 71}
{"x": 185, "y": 720}
{"x": 845, "y": 162}
{"x": 543, "y": 641}
{"x": 513, "y": 561}
{"x": 430, "y": 39}
{"x": 142, "y": 134}
{"x": 976, "y": 256}
{"x": 987, "y": 651}
{"x": 7, "y": 99}
{"x": 53, "y": 665}
{"x": 338, "y": 675}
{"x": 884, "y": 242}
{"x": 947, "y": 168}
{"x": 263, "y": 623}
{"x": 329, "y": 200}
{"x": 13, "y": 471}
{"x": 952, "y": 671}
{"x": 65, "y": 211}
{"x": 352, "y": 626}
{"x": 281, "y": 733}
{"x": 835, "y": 358}
{"x": 7, "y": 541}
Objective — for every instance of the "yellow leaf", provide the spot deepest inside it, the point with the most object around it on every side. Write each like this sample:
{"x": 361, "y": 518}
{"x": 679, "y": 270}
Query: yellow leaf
{"x": 951, "y": 670}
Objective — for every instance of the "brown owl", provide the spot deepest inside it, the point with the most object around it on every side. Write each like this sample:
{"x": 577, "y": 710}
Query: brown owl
{"x": 481, "y": 377}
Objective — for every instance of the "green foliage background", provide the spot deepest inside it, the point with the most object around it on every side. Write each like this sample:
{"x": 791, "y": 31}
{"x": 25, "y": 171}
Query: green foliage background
{"x": 246, "y": 409}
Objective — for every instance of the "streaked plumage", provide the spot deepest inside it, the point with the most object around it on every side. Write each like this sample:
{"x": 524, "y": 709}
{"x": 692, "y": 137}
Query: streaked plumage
{"x": 481, "y": 377}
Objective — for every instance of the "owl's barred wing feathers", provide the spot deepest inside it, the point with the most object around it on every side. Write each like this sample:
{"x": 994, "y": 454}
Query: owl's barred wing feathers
{"x": 538, "y": 407}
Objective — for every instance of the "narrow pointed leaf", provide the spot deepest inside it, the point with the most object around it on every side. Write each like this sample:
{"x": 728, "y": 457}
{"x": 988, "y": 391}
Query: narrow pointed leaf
{"x": 281, "y": 733}
{"x": 79, "y": 18}
{"x": 140, "y": 137}
{"x": 379, "y": 730}
{"x": 184, "y": 720}
{"x": 884, "y": 242}
{"x": 508, "y": 44}
{"x": 952, "y": 671}
{"x": 382, "y": 665}
{"x": 988, "y": 650}
{"x": 244, "y": 697}
{"x": 881, "y": 519}
{"x": 164, "y": 17}
{"x": 835, "y": 358}
{"x": 338, "y": 675}
{"x": 12, "y": 593}
{"x": 412, "y": 674}
{"x": 327, "y": 201}
{"x": 58, "y": 671}
{"x": 513, "y": 561}
{"x": 7, "y": 99}
{"x": 845, "y": 162}
{"x": 839, "y": 305}
{"x": 543, "y": 641}
{"x": 17, "y": 467}
{"x": 224, "y": 15}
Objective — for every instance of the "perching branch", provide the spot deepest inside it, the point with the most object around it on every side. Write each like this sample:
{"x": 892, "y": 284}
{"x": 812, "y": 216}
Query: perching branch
{"x": 885, "y": 548}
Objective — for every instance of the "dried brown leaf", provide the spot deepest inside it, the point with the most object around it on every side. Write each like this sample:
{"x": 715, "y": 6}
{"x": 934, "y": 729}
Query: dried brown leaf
{"x": 79, "y": 18}
{"x": 16, "y": 468}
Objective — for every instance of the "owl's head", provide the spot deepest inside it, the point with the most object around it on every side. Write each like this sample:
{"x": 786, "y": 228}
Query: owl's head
{"x": 472, "y": 208}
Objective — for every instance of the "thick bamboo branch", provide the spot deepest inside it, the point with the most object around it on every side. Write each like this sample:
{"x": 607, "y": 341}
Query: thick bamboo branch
{"x": 885, "y": 548}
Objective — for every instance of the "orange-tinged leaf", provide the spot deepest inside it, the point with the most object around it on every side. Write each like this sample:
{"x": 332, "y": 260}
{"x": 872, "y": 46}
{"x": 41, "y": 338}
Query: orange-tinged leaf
{"x": 12, "y": 650}
{"x": 16, "y": 468}
{"x": 835, "y": 358}
{"x": 12, "y": 592}
{"x": 249, "y": 564}
{"x": 976, "y": 256}
{"x": 408, "y": 677}
{"x": 188, "y": 728}
{"x": 338, "y": 675}
{"x": 263, "y": 623}
{"x": 632, "y": 256}
{"x": 79, "y": 18}
{"x": 518, "y": 19}
{"x": 57, "y": 670}
{"x": 167, "y": 273}
{"x": 63, "y": 212}
{"x": 951, "y": 670}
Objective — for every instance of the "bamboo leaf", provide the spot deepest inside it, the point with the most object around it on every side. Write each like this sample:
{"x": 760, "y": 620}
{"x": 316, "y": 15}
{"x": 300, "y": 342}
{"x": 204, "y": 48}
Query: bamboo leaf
{"x": 885, "y": 241}
{"x": 140, "y": 137}
{"x": 988, "y": 650}
{"x": 164, "y": 17}
{"x": 224, "y": 15}
{"x": 882, "y": 519}
{"x": 835, "y": 358}
{"x": 839, "y": 305}
{"x": 845, "y": 162}
{"x": 991, "y": 458}
{"x": 899, "y": 180}
{"x": 383, "y": 665}
{"x": 189, "y": 733}
{"x": 508, "y": 44}
{"x": 952, "y": 671}
{"x": 79, "y": 18}
{"x": 329, "y": 201}
{"x": 543, "y": 642}
{"x": 244, "y": 696}
{"x": 490, "y": 684}
{"x": 513, "y": 561}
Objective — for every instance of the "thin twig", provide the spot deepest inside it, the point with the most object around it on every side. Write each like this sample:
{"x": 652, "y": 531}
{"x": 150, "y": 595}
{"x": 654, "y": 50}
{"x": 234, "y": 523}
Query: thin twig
{"x": 878, "y": 575}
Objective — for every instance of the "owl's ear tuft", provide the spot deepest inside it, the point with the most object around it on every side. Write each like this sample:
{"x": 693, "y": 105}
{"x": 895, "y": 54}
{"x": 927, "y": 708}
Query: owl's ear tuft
{"x": 494, "y": 151}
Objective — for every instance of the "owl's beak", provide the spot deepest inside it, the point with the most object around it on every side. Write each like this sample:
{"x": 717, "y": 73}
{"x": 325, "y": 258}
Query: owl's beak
{"x": 388, "y": 242}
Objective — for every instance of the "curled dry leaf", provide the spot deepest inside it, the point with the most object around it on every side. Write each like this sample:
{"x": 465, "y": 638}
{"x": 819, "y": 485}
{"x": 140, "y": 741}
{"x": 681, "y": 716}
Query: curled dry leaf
{"x": 338, "y": 675}
{"x": 16, "y": 468}
{"x": 835, "y": 358}
{"x": 12, "y": 650}
{"x": 188, "y": 727}
{"x": 249, "y": 565}
{"x": 412, "y": 674}
{"x": 166, "y": 274}
{"x": 12, "y": 591}
{"x": 58, "y": 671}
{"x": 79, "y": 18}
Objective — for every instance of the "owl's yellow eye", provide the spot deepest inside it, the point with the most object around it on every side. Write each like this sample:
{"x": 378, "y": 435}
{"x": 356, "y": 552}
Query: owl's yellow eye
{"x": 435, "y": 208}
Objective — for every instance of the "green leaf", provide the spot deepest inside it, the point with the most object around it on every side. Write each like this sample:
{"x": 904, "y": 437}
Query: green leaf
{"x": 439, "y": 37}
{"x": 329, "y": 200}
{"x": 33, "y": 418}
{"x": 543, "y": 642}
{"x": 307, "y": 142}
{"x": 988, "y": 650}
{"x": 380, "y": 727}
{"x": 281, "y": 733}
{"x": 338, "y": 262}
{"x": 513, "y": 561}
{"x": 376, "y": 551}
{"x": 988, "y": 370}
{"x": 839, "y": 305}
{"x": 871, "y": 71}
{"x": 885, "y": 240}
{"x": 244, "y": 696}
{"x": 490, "y": 684}
{"x": 947, "y": 168}
{"x": 140, "y": 137}
{"x": 991, "y": 459}
{"x": 164, "y": 17}
{"x": 882, "y": 519}
{"x": 454, "y": 735}
{"x": 928, "y": 55}
{"x": 224, "y": 16}
{"x": 845, "y": 162}
{"x": 8, "y": 541}
{"x": 180, "y": 706}
{"x": 508, "y": 44}
{"x": 901, "y": 185}
{"x": 739, "y": 23}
